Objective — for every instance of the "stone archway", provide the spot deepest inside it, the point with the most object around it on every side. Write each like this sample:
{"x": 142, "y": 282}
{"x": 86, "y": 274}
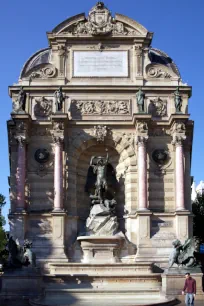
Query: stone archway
{"x": 123, "y": 159}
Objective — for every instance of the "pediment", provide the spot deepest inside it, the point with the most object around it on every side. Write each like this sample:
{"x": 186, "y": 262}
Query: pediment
{"x": 99, "y": 22}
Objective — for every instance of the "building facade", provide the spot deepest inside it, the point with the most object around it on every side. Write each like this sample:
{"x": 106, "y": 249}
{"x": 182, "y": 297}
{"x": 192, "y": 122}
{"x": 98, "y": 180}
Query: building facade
{"x": 100, "y": 86}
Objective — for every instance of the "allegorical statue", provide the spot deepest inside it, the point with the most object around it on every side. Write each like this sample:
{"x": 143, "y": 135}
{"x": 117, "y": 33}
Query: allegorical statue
{"x": 20, "y": 255}
{"x": 177, "y": 100}
{"x": 101, "y": 185}
{"x": 59, "y": 99}
{"x": 140, "y": 100}
{"x": 100, "y": 169}
{"x": 20, "y": 103}
{"x": 183, "y": 255}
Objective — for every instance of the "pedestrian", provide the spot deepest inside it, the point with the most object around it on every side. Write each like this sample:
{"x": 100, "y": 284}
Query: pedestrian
{"x": 189, "y": 289}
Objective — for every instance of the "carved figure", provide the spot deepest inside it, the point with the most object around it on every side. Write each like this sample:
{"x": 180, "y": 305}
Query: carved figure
{"x": 20, "y": 255}
{"x": 43, "y": 107}
{"x": 177, "y": 100}
{"x": 102, "y": 181}
{"x": 183, "y": 254}
{"x": 100, "y": 169}
{"x": 59, "y": 99}
{"x": 140, "y": 100}
{"x": 100, "y": 132}
{"x": 20, "y": 103}
{"x": 160, "y": 156}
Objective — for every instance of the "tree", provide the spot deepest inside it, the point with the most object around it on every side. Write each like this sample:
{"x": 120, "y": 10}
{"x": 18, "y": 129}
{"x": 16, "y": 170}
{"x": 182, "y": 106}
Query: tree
{"x": 198, "y": 220}
{"x": 3, "y": 239}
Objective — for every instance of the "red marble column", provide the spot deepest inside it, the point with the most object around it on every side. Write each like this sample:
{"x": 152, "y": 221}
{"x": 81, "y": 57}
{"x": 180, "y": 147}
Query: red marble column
{"x": 58, "y": 175}
{"x": 142, "y": 173}
{"x": 180, "y": 202}
{"x": 21, "y": 173}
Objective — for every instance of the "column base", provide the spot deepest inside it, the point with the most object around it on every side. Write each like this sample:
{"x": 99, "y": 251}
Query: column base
{"x": 143, "y": 209}
{"x": 58, "y": 210}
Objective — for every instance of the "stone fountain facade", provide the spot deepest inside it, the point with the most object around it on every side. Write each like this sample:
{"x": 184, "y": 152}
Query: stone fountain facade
{"x": 100, "y": 86}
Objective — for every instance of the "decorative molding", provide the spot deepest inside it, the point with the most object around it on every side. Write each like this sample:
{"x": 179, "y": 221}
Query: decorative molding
{"x": 142, "y": 127}
{"x": 158, "y": 107}
{"x": 21, "y": 140}
{"x": 100, "y": 132}
{"x": 46, "y": 72}
{"x": 101, "y": 107}
{"x": 141, "y": 140}
{"x": 157, "y": 71}
{"x": 20, "y": 103}
{"x": 100, "y": 22}
{"x": 43, "y": 107}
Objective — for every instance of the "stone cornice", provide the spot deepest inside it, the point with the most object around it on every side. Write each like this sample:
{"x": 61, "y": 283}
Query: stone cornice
{"x": 102, "y": 88}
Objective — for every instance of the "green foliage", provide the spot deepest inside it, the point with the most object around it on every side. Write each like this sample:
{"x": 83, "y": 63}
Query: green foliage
{"x": 198, "y": 220}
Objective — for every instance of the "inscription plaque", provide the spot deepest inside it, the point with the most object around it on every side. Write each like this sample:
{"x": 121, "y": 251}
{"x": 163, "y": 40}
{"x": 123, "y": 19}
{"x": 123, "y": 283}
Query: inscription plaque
{"x": 100, "y": 64}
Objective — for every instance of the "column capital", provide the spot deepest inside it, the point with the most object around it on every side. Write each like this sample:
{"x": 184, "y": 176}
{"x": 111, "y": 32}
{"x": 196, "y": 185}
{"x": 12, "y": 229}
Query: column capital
{"x": 178, "y": 140}
{"x": 178, "y": 132}
{"x": 58, "y": 139}
{"x": 21, "y": 140}
{"x": 141, "y": 140}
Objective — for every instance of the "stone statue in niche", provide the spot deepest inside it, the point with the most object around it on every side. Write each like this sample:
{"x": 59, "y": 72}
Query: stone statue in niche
{"x": 177, "y": 100}
{"x": 20, "y": 104}
{"x": 140, "y": 100}
{"x": 101, "y": 185}
{"x": 59, "y": 99}
{"x": 183, "y": 255}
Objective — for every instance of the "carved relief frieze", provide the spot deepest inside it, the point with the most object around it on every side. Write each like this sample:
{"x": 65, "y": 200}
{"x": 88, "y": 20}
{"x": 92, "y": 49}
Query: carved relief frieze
{"x": 43, "y": 107}
{"x": 158, "y": 107}
{"x": 101, "y": 107}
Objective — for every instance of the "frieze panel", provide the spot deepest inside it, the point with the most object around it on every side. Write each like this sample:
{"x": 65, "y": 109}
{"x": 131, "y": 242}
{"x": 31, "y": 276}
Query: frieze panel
{"x": 43, "y": 107}
{"x": 100, "y": 107}
{"x": 158, "y": 107}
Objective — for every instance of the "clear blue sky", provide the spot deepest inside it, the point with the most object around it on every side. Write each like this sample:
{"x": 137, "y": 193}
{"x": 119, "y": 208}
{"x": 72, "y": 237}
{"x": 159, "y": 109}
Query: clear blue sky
{"x": 178, "y": 27}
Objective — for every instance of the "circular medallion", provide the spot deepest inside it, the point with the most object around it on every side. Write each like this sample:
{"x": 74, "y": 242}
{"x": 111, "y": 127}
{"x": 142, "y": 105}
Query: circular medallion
{"x": 160, "y": 156}
{"x": 42, "y": 156}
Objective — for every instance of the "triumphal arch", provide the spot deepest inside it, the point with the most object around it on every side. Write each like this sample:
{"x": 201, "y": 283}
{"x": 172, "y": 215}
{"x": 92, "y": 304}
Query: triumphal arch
{"x": 100, "y": 147}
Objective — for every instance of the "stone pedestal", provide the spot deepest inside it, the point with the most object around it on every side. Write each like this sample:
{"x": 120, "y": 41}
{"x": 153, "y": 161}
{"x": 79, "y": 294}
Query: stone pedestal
{"x": 101, "y": 249}
{"x": 58, "y": 249}
{"x": 173, "y": 282}
{"x": 143, "y": 236}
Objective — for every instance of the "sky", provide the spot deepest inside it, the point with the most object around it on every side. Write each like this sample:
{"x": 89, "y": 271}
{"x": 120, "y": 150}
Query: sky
{"x": 178, "y": 27}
